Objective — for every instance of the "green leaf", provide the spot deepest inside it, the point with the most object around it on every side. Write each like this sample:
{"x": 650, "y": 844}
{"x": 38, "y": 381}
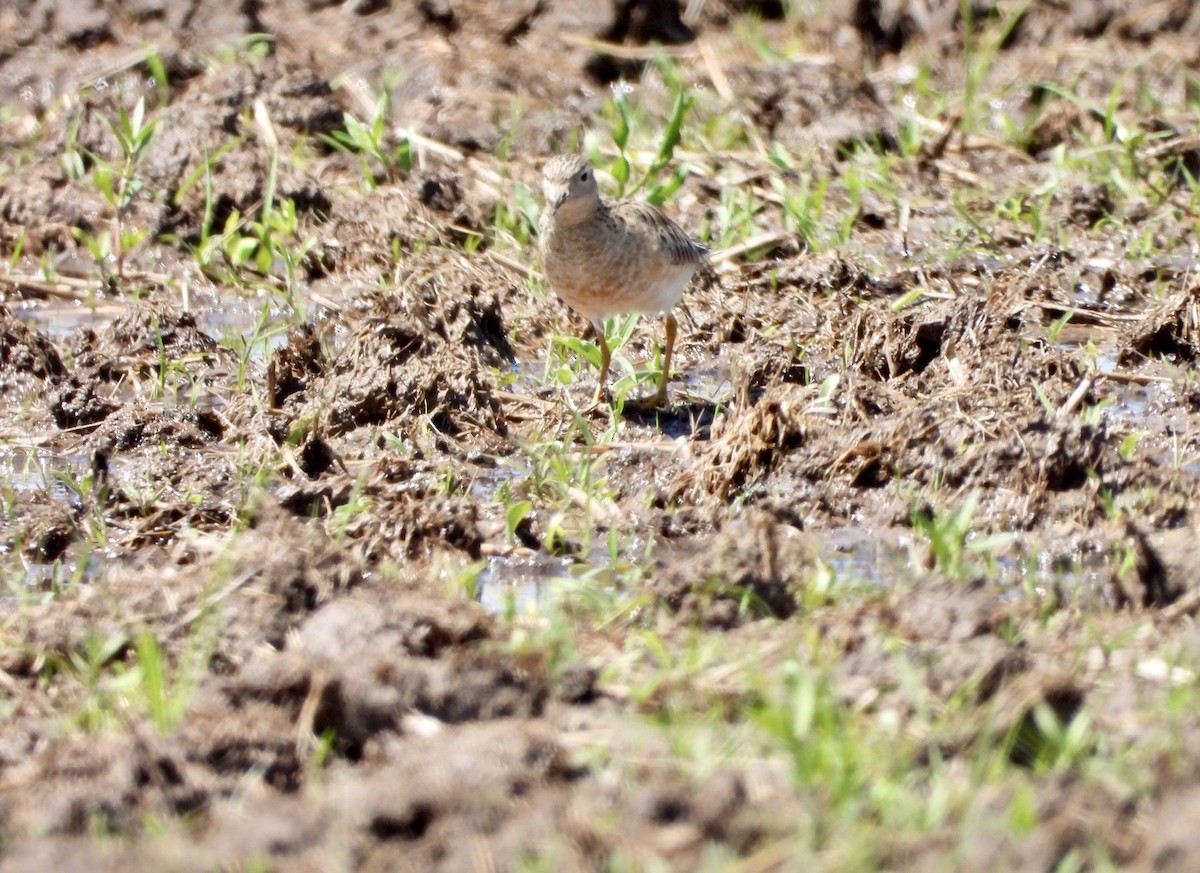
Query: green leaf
{"x": 104, "y": 183}
{"x": 135, "y": 124}
{"x": 663, "y": 191}
{"x": 620, "y": 171}
{"x": 617, "y": 331}
{"x": 241, "y": 249}
{"x": 673, "y": 132}
{"x": 515, "y": 514}
{"x": 1129, "y": 445}
{"x": 131, "y": 191}
{"x": 620, "y": 130}
{"x": 582, "y": 347}
{"x": 906, "y": 300}
{"x": 264, "y": 259}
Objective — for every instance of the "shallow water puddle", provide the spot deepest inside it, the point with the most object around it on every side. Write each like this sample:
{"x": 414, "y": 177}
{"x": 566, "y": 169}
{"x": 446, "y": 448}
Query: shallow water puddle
{"x": 1030, "y": 567}
{"x": 855, "y": 557}
{"x": 24, "y": 577}
{"x": 58, "y": 319}
{"x": 27, "y": 468}
{"x": 261, "y": 324}
{"x": 1145, "y": 398}
{"x": 262, "y": 327}
{"x": 866, "y": 556}
{"x": 712, "y": 380}
{"x": 520, "y": 584}
{"x": 488, "y": 480}
{"x": 527, "y": 583}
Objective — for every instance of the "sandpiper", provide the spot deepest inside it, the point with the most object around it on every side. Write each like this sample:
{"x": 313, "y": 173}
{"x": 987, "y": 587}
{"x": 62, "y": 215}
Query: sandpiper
{"x": 607, "y": 257}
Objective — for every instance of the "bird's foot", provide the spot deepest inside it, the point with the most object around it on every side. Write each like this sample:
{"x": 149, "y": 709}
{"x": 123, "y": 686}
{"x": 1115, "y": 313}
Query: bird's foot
{"x": 599, "y": 401}
{"x": 649, "y": 403}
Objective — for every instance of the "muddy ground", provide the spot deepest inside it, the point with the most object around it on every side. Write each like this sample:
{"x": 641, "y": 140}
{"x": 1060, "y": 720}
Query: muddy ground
{"x": 269, "y": 605}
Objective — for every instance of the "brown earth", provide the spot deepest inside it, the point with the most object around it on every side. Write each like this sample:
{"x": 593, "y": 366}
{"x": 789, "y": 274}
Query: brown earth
{"x": 290, "y": 525}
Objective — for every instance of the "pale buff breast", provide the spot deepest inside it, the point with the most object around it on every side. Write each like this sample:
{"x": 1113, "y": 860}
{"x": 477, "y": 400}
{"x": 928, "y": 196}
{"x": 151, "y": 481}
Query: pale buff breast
{"x": 600, "y": 270}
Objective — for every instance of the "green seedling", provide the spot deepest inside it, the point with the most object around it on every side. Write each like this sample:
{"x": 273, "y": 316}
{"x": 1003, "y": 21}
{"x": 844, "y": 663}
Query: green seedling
{"x": 271, "y": 247}
{"x": 252, "y": 345}
{"x": 204, "y": 171}
{"x": 96, "y": 665}
{"x": 117, "y": 183}
{"x": 159, "y": 78}
{"x": 1058, "y": 325}
{"x": 71, "y": 158}
{"x": 621, "y": 126}
{"x": 468, "y": 579}
{"x": 568, "y": 348}
{"x": 515, "y": 219}
{"x": 907, "y": 299}
{"x": 1040, "y": 393}
{"x": 803, "y": 207}
{"x": 805, "y": 720}
{"x": 166, "y": 696}
{"x": 516, "y": 509}
{"x": 1048, "y": 742}
{"x": 370, "y": 141}
{"x": 979, "y": 55}
{"x": 357, "y": 504}
{"x": 1129, "y": 445}
{"x": 736, "y": 217}
{"x": 947, "y": 535}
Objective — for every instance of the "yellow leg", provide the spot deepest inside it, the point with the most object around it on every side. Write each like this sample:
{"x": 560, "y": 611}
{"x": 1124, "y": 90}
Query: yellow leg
{"x": 661, "y": 398}
{"x": 605, "y": 360}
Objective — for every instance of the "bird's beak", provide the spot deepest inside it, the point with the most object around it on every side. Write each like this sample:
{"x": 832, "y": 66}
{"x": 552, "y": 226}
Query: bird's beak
{"x": 558, "y": 200}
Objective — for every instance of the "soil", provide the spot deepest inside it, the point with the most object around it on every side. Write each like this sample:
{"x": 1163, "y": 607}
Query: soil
{"x": 291, "y": 523}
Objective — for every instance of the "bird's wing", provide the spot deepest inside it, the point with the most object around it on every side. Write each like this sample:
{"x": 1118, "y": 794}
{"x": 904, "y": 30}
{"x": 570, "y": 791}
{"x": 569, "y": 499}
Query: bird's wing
{"x": 645, "y": 219}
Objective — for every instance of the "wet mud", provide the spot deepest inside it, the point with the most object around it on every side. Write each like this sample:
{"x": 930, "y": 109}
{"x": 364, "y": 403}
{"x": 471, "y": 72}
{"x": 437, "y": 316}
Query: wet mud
{"x": 283, "y": 483}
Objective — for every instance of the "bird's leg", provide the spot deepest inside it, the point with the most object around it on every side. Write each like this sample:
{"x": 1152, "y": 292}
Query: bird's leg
{"x": 658, "y": 400}
{"x": 661, "y": 398}
{"x": 605, "y": 360}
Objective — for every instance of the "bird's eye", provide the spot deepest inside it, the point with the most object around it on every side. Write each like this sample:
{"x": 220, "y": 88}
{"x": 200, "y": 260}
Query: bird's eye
{"x": 583, "y": 177}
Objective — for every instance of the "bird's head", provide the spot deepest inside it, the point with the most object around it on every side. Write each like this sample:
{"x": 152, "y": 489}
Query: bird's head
{"x": 569, "y": 183}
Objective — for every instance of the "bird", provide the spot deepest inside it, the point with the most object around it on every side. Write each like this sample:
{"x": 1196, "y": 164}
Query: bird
{"x": 605, "y": 257}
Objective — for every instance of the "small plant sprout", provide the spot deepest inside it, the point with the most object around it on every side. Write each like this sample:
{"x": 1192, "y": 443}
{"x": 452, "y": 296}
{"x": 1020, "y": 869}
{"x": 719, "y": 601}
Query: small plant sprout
{"x": 1129, "y": 445}
{"x": 803, "y": 207}
{"x": 621, "y": 125}
{"x": 268, "y": 250}
{"x": 947, "y": 535}
{"x": 516, "y": 218}
{"x": 979, "y": 55}
{"x": 371, "y": 142}
{"x": 1059, "y": 323}
{"x": 118, "y": 184}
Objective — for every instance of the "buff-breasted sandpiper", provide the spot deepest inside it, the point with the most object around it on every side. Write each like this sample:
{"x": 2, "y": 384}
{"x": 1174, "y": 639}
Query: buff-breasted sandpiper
{"x": 607, "y": 257}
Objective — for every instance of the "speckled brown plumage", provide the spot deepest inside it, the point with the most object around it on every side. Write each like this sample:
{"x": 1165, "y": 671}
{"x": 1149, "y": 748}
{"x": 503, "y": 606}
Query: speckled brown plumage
{"x": 607, "y": 258}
